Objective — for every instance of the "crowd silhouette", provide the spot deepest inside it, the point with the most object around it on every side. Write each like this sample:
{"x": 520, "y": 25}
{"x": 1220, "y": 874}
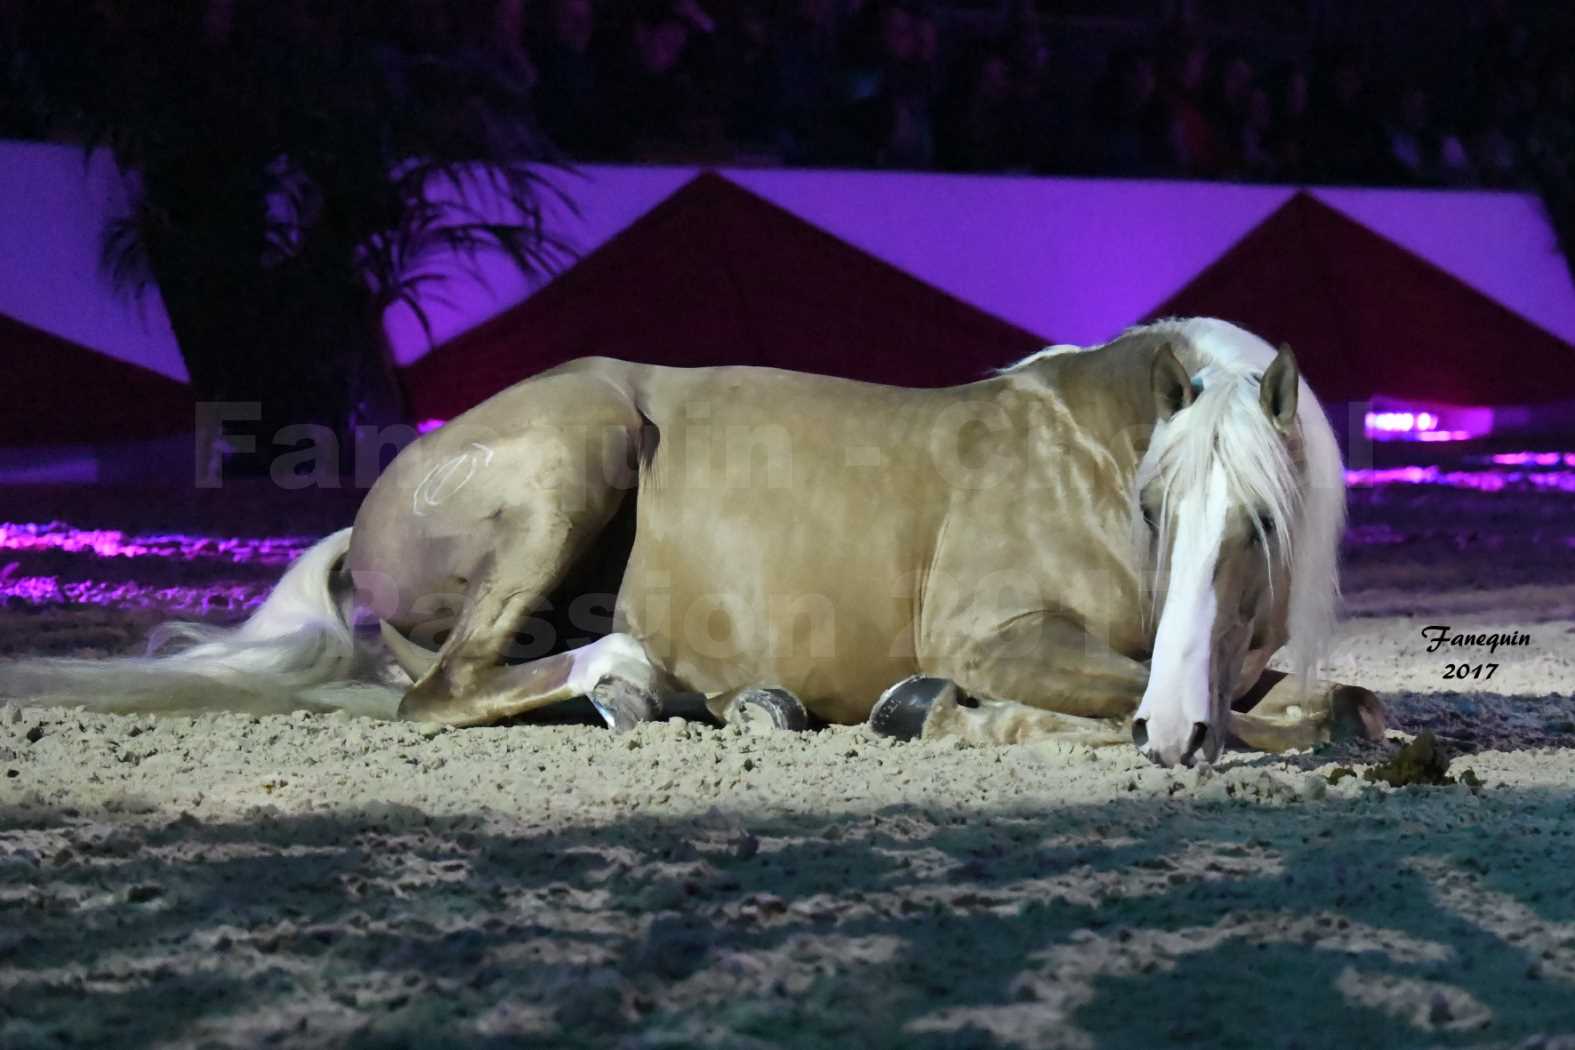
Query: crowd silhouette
{"x": 923, "y": 85}
{"x": 912, "y": 85}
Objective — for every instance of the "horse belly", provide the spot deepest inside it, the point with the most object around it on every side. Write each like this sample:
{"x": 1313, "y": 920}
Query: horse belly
{"x": 722, "y": 602}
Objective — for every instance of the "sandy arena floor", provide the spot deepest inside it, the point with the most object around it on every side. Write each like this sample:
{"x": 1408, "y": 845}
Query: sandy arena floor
{"x": 325, "y": 881}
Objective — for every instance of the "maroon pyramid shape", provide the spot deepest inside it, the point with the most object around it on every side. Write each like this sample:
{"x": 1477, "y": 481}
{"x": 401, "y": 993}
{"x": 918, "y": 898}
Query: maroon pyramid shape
{"x": 1367, "y": 317}
{"x": 718, "y": 275}
{"x": 65, "y": 394}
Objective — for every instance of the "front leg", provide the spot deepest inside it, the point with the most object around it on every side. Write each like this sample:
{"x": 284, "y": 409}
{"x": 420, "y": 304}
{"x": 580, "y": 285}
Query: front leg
{"x": 936, "y": 708}
{"x": 1063, "y": 683}
{"x": 1288, "y": 718}
{"x": 1046, "y": 661}
{"x": 1280, "y": 714}
{"x": 1066, "y": 685}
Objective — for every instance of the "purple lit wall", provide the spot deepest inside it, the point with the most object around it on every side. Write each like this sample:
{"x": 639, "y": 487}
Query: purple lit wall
{"x": 1073, "y": 259}
{"x": 113, "y": 543}
{"x": 1498, "y": 243}
{"x": 52, "y": 209}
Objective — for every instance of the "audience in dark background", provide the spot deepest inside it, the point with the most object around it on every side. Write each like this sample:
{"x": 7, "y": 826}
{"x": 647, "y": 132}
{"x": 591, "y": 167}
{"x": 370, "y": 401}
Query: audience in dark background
{"x": 922, "y": 85}
{"x": 918, "y": 85}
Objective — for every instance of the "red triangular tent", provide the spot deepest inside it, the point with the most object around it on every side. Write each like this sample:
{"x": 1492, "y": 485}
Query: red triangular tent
{"x": 1367, "y": 317}
{"x": 65, "y": 394}
{"x": 718, "y": 275}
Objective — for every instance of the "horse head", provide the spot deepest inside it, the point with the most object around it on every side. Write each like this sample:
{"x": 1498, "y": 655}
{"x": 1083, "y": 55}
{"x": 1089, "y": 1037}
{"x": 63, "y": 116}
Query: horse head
{"x": 1219, "y": 501}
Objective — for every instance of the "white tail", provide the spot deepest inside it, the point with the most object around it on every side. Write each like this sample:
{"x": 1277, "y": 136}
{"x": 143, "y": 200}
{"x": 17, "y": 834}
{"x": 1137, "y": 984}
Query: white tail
{"x": 296, "y": 652}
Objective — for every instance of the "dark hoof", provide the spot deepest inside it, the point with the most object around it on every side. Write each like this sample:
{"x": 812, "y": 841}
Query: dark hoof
{"x": 770, "y": 708}
{"x": 1357, "y": 714}
{"x": 624, "y": 705}
{"x": 901, "y": 710}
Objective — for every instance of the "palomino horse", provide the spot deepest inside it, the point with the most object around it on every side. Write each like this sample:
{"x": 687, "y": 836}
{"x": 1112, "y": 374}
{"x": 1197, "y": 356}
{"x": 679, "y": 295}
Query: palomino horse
{"x": 1093, "y": 545}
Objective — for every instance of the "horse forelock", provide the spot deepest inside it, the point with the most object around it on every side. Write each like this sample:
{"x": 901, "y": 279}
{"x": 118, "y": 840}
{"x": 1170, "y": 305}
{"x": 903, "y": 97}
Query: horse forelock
{"x": 1225, "y": 431}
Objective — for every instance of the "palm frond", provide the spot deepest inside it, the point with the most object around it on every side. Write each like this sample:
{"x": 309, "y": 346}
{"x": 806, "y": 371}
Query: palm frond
{"x": 380, "y": 172}
{"x": 123, "y": 254}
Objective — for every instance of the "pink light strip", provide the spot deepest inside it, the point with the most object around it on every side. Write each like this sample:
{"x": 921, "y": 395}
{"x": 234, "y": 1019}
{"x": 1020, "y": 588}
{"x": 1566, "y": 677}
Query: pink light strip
{"x": 1400, "y": 422}
{"x": 112, "y": 543}
{"x": 1481, "y": 481}
{"x": 1540, "y": 459}
{"x": 189, "y": 601}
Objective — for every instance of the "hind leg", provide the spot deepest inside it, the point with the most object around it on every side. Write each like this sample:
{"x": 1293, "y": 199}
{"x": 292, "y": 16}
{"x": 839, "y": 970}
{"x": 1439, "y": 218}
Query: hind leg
{"x": 499, "y": 506}
{"x": 468, "y": 682}
{"x": 612, "y": 672}
{"x": 1283, "y": 716}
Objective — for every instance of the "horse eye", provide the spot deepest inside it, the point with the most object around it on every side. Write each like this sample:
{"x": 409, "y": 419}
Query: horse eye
{"x": 1148, "y": 516}
{"x": 1264, "y": 531}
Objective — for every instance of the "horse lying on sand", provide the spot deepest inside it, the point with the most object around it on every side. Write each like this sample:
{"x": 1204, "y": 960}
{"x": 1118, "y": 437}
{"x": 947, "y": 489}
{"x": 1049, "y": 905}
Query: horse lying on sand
{"x": 1092, "y": 545}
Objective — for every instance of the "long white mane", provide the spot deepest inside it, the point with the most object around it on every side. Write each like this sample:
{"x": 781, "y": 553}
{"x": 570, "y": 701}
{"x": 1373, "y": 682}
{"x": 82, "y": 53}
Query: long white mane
{"x": 1226, "y": 427}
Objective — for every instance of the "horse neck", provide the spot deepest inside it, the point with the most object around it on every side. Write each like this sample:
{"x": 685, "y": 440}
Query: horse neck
{"x": 1094, "y": 400}
{"x": 1080, "y": 451}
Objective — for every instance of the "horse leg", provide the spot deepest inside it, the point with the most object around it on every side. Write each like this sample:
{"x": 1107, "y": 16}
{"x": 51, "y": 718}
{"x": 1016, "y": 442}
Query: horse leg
{"x": 1063, "y": 684}
{"x": 467, "y": 681}
{"x": 1285, "y": 718}
{"x": 613, "y": 672}
{"x": 1282, "y": 715}
{"x": 937, "y": 708}
{"x": 617, "y": 675}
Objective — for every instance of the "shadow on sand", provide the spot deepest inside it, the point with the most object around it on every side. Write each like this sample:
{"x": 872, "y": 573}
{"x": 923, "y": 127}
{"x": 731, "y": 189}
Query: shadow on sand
{"x": 1428, "y": 917}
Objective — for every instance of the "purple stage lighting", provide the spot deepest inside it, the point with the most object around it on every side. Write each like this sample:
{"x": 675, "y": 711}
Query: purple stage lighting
{"x": 44, "y": 543}
{"x": 112, "y": 543}
{"x": 1399, "y": 421}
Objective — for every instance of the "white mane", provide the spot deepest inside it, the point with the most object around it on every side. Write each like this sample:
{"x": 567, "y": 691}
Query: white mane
{"x": 1225, "y": 426}
{"x": 1233, "y": 428}
{"x": 1053, "y": 350}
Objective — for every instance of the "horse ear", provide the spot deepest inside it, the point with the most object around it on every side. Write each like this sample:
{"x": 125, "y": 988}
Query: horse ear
{"x": 1172, "y": 386}
{"x": 1277, "y": 392}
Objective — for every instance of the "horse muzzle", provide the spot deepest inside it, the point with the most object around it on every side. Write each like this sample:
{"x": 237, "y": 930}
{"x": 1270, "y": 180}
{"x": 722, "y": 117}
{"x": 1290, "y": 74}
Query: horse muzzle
{"x": 1175, "y": 749}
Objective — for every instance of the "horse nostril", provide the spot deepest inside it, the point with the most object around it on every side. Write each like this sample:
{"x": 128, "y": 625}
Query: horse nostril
{"x": 1200, "y": 732}
{"x": 1140, "y": 732}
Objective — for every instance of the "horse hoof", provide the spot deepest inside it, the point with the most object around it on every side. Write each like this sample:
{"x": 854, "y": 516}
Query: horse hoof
{"x": 1356, "y": 714}
{"x": 623, "y": 705}
{"x": 758, "y": 710}
{"x": 902, "y": 710}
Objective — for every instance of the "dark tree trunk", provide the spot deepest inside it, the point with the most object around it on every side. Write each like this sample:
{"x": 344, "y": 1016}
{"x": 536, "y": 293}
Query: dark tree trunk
{"x": 344, "y": 378}
{"x": 274, "y": 351}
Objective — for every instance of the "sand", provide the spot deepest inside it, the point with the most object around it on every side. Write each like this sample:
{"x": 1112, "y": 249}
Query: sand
{"x": 319, "y": 880}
